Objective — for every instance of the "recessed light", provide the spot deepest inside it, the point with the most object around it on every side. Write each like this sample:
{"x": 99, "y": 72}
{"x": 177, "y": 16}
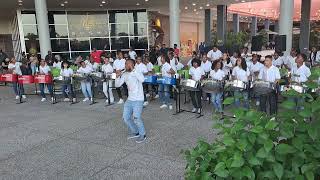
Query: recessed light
{"x": 20, "y": 4}
{"x": 186, "y": 7}
{"x": 101, "y": 5}
{"x": 243, "y": 1}
{"x": 138, "y": 4}
{"x": 193, "y": 4}
{"x": 207, "y": 5}
{"x": 20, "y": 1}
{"x": 103, "y": 2}
{"x": 62, "y": 4}
{"x": 197, "y": 13}
{"x": 66, "y": 2}
{"x": 200, "y": 7}
{"x": 146, "y": 0}
{"x": 194, "y": 9}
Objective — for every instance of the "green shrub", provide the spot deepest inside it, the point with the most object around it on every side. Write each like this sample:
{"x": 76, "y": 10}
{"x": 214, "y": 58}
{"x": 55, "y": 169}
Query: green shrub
{"x": 255, "y": 145}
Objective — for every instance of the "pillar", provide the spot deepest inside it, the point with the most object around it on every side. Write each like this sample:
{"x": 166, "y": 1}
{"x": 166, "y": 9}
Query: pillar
{"x": 221, "y": 24}
{"x": 276, "y": 26}
{"x": 208, "y": 26}
{"x": 286, "y": 22}
{"x": 174, "y": 22}
{"x": 43, "y": 26}
{"x": 235, "y": 21}
{"x": 267, "y": 24}
{"x": 305, "y": 26}
{"x": 254, "y": 26}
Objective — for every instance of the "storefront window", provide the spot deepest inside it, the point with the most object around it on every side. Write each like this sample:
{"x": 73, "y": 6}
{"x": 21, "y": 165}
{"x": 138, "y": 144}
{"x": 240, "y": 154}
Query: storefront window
{"x": 80, "y": 44}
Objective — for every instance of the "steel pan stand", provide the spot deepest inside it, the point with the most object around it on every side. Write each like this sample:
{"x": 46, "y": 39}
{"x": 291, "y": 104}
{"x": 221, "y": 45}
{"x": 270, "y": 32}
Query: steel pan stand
{"x": 92, "y": 85}
{"x": 20, "y": 94}
{"x": 74, "y": 93}
{"x": 108, "y": 87}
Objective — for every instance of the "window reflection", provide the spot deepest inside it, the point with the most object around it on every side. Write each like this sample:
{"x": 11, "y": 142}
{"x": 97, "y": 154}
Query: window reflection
{"x": 138, "y": 29}
{"x": 120, "y": 43}
{"x": 80, "y": 44}
{"x": 100, "y": 43}
{"x": 139, "y": 42}
{"x": 58, "y": 31}
{"x": 30, "y": 31}
{"x": 28, "y": 19}
{"x": 58, "y": 45}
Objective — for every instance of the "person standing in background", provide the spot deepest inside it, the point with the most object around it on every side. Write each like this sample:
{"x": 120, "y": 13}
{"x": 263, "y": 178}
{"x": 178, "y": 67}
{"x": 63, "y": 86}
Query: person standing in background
{"x": 132, "y": 53}
{"x": 176, "y": 49}
{"x": 214, "y": 54}
{"x": 96, "y": 55}
{"x": 49, "y": 59}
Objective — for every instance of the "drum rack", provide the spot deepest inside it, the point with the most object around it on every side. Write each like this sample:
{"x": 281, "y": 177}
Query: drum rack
{"x": 178, "y": 102}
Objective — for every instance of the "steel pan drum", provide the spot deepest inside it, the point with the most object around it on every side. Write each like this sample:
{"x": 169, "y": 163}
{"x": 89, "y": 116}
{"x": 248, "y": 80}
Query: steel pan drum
{"x": 298, "y": 88}
{"x": 46, "y": 79}
{"x": 189, "y": 84}
{"x": 97, "y": 76}
{"x": 9, "y": 77}
{"x": 79, "y": 77}
{"x": 63, "y": 80}
{"x": 211, "y": 86}
{"x": 150, "y": 79}
{"x": 166, "y": 80}
{"x": 26, "y": 79}
{"x": 262, "y": 87}
{"x": 236, "y": 85}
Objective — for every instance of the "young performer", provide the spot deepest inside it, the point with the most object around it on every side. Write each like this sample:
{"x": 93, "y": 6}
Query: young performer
{"x": 271, "y": 74}
{"x": 215, "y": 54}
{"x": 66, "y": 72}
{"x": 44, "y": 69}
{"x": 57, "y": 62}
{"x": 227, "y": 64}
{"x": 241, "y": 73}
{"x": 194, "y": 55}
{"x": 119, "y": 65}
{"x": 278, "y": 60}
{"x": 14, "y": 68}
{"x": 197, "y": 74}
{"x": 164, "y": 89}
{"x": 217, "y": 74}
{"x": 86, "y": 84}
{"x": 151, "y": 71}
{"x": 133, "y": 106}
{"x": 142, "y": 68}
{"x": 205, "y": 63}
{"x": 107, "y": 69}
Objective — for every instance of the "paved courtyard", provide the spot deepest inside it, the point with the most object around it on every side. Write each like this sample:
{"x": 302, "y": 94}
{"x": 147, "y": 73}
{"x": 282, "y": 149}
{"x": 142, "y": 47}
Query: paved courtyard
{"x": 62, "y": 141}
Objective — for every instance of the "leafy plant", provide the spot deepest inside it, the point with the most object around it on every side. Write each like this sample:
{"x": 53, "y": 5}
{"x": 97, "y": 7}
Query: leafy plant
{"x": 255, "y": 145}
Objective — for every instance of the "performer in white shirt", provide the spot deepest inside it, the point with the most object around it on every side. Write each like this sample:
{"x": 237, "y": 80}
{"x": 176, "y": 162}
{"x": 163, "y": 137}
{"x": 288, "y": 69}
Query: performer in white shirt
{"x": 66, "y": 72}
{"x": 132, "y": 53}
{"x": 269, "y": 73}
{"x": 87, "y": 83}
{"x": 217, "y": 74}
{"x": 314, "y": 56}
{"x": 234, "y": 58}
{"x": 44, "y": 69}
{"x": 255, "y": 67}
{"x": 214, "y": 54}
{"x": 119, "y": 65}
{"x": 278, "y": 59}
{"x": 227, "y": 65}
{"x": 241, "y": 72}
{"x": 164, "y": 89}
{"x": 150, "y": 68}
{"x": 194, "y": 55}
{"x": 205, "y": 63}
{"x": 107, "y": 69}
{"x": 133, "y": 106}
{"x": 247, "y": 56}
{"x": 197, "y": 74}
{"x": 14, "y": 68}
{"x": 142, "y": 68}
{"x": 291, "y": 59}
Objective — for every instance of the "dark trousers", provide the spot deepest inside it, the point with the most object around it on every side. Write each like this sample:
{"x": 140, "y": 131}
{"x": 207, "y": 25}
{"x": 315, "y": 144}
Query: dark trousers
{"x": 268, "y": 99}
{"x": 196, "y": 98}
{"x": 49, "y": 86}
{"x": 18, "y": 89}
{"x": 68, "y": 89}
{"x": 125, "y": 88}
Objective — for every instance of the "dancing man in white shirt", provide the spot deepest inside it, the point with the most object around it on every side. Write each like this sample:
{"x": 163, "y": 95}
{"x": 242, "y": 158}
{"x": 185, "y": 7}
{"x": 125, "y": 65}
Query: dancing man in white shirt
{"x": 271, "y": 74}
{"x": 134, "y": 104}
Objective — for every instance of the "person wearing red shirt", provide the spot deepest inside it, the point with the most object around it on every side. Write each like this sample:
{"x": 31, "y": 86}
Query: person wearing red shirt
{"x": 96, "y": 55}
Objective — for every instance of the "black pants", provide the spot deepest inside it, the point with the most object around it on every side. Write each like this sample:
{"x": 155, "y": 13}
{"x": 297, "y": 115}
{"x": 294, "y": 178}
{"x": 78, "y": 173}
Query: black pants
{"x": 196, "y": 98}
{"x": 125, "y": 88}
{"x": 268, "y": 99}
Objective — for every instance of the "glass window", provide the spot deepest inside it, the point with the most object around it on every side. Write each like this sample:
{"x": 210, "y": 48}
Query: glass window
{"x": 63, "y": 55}
{"x": 60, "y": 19}
{"x": 30, "y": 31}
{"x": 100, "y": 43}
{"x": 138, "y": 29}
{"x": 80, "y": 44}
{"x": 58, "y": 31}
{"x": 59, "y": 45}
{"x": 119, "y": 30}
{"x": 142, "y": 17}
{"x": 74, "y": 55}
{"x": 28, "y": 19}
{"x": 120, "y": 43}
{"x": 139, "y": 42}
{"x": 118, "y": 16}
{"x": 32, "y": 46}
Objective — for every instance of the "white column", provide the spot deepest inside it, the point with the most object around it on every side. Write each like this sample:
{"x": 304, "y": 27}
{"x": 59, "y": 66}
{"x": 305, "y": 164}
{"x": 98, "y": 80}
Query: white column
{"x": 286, "y": 22}
{"x": 174, "y": 22}
{"x": 43, "y": 26}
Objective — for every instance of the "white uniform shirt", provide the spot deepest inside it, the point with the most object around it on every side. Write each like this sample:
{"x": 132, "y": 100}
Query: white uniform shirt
{"x": 119, "y": 64}
{"x": 247, "y": 56}
{"x": 159, "y": 61}
{"x": 255, "y": 67}
{"x": 141, "y": 68}
{"x": 94, "y": 66}
{"x": 44, "y": 70}
{"x": 300, "y": 74}
{"x": 66, "y": 72}
{"x": 15, "y": 68}
{"x": 290, "y": 61}
{"x": 57, "y": 65}
{"x": 240, "y": 74}
{"x": 214, "y": 55}
{"x": 269, "y": 74}
{"x": 315, "y": 58}
{"x": 165, "y": 69}
{"x": 227, "y": 67}
{"x": 196, "y": 73}
{"x": 179, "y": 66}
{"x": 134, "y": 82}
{"x": 278, "y": 62}
{"x": 217, "y": 75}
{"x": 107, "y": 68}
{"x": 206, "y": 66}
{"x": 190, "y": 63}
{"x": 233, "y": 60}
{"x": 173, "y": 64}
{"x": 149, "y": 66}
{"x": 86, "y": 70}
{"x": 132, "y": 55}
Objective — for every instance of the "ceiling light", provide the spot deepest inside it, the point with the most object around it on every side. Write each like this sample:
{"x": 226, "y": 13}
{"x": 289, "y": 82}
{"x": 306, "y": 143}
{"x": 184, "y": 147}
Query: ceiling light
{"x": 66, "y": 2}
{"x": 194, "y": 9}
{"x": 197, "y": 13}
{"x": 186, "y": 7}
{"x": 243, "y": 1}
{"x": 101, "y": 5}
{"x": 20, "y": 4}
{"x": 138, "y": 4}
{"x": 207, "y": 5}
{"x": 146, "y": 0}
{"x": 103, "y": 2}
{"x": 193, "y": 4}
{"x": 200, "y": 7}
{"x": 62, "y": 4}
{"x": 20, "y": 1}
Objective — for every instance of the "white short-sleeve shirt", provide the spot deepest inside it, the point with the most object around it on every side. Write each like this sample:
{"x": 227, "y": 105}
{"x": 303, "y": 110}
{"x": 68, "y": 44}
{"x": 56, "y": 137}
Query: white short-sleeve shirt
{"x": 269, "y": 74}
{"x": 66, "y": 72}
{"x": 300, "y": 74}
{"x": 86, "y": 70}
{"x": 132, "y": 55}
{"x": 241, "y": 74}
{"x": 278, "y": 62}
{"x": 15, "y": 67}
{"x": 107, "y": 69}
{"x": 57, "y": 64}
{"x": 214, "y": 55}
{"x": 45, "y": 69}
{"x": 141, "y": 68}
{"x": 196, "y": 73}
{"x": 256, "y": 67}
{"x": 217, "y": 75}
{"x": 206, "y": 66}
{"x": 150, "y": 66}
{"x": 165, "y": 70}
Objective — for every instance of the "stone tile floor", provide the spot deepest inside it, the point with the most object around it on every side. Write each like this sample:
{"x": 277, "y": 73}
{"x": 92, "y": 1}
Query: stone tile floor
{"x": 63, "y": 141}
